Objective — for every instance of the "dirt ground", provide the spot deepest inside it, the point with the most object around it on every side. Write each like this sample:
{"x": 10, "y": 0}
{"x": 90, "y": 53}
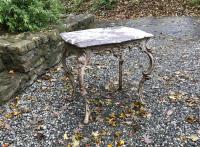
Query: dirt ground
{"x": 129, "y": 9}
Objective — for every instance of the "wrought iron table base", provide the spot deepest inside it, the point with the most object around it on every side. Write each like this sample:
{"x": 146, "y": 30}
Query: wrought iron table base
{"x": 83, "y": 57}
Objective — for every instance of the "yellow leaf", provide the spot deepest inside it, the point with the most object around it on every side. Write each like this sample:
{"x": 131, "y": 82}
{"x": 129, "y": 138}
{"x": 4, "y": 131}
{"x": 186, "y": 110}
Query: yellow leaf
{"x": 75, "y": 142}
{"x": 9, "y": 115}
{"x": 118, "y": 134}
{"x": 109, "y": 145}
{"x": 122, "y": 115}
{"x": 176, "y": 95}
{"x": 78, "y": 136}
{"x": 193, "y": 137}
{"x": 112, "y": 122}
{"x": 138, "y": 105}
{"x": 65, "y": 136}
{"x": 95, "y": 134}
{"x": 112, "y": 115}
{"x": 15, "y": 113}
{"x": 120, "y": 143}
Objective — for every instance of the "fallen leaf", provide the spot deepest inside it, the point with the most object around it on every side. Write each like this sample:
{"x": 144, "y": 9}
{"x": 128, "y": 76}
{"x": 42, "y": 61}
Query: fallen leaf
{"x": 78, "y": 136}
{"x": 137, "y": 105}
{"x": 120, "y": 143}
{"x": 147, "y": 139}
{"x": 118, "y": 134}
{"x": 122, "y": 115}
{"x": 112, "y": 115}
{"x": 176, "y": 95}
{"x": 45, "y": 77}
{"x": 95, "y": 134}
{"x": 65, "y": 136}
{"x": 192, "y": 119}
{"x": 193, "y": 137}
{"x": 193, "y": 101}
{"x": 7, "y": 126}
{"x": 109, "y": 145}
{"x": 11, "y": 72}
{"x": 170, "y": 112}
{"x": 143, "y": 113}
{"x": 9, "y": 115}
{"x": 75, "y": 142}
{"x": 5, "y": 145}
{"x": 112, "y": 122}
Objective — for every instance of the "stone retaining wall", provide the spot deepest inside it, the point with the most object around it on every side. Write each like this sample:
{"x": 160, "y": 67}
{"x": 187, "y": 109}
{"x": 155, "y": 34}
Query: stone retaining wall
{"x": 25, "y": 56}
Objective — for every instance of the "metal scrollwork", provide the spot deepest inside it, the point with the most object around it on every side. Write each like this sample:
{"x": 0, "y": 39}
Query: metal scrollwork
{"x": 83, "y": 58}
{"x": 145, "y": 74}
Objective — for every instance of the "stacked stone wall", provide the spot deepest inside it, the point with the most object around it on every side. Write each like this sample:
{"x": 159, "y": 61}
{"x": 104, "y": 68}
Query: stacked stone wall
{"x": 25, "y": 56}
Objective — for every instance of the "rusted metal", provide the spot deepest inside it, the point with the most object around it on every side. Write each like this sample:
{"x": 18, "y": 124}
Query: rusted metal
{"x": 146, "y": 74}
{"x": 82, "y": 60}
{"x": 112, "y": 44}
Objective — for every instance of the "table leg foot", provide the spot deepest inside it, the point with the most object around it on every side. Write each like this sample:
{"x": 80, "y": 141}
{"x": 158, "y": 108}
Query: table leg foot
{"x": 146, "y": 74}
{"x": 87, "y": 111}
{"x": 82, "y": 63}
{"x": 68, "y": 71}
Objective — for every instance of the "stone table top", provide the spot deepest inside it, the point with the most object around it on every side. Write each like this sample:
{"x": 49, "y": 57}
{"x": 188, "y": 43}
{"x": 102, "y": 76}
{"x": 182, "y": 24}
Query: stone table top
{"x": 103, "y": 36}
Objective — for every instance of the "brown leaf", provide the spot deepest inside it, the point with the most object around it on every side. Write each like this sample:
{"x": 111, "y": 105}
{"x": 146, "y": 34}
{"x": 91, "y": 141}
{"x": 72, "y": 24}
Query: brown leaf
{"x": 7, "y": 126}
{"x": 5, "y": 145}
{"x": 118, "y": 134}
{"x": 192, "y": 119}
{"x": 46, "y": 77}
{"x": 175, "y": 96}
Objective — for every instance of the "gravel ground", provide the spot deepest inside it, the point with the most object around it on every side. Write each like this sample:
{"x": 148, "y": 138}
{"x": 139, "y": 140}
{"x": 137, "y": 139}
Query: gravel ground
{"x": 43, "y": 116}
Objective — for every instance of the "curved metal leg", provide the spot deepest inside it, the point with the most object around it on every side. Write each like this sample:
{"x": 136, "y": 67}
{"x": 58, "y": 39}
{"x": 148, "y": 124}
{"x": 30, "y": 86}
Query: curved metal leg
{"x": 121, "y": 61}
{"x": 146, "y": 74}
{"x": 82, "y": 63}
{"x": 68, "y": 71}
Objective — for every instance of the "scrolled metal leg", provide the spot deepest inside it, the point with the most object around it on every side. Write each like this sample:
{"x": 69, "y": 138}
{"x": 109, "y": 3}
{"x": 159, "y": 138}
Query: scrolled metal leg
{"x": 119, "y": 55}
{"x": 82, "y": 63}
{"x": 68, "y": 71}
{"x": 121, "y": 61}
{"x": 146, "y": 74}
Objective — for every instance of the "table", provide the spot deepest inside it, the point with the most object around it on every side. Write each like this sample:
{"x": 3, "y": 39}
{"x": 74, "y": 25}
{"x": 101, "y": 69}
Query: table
{"x": 114, "y": 40}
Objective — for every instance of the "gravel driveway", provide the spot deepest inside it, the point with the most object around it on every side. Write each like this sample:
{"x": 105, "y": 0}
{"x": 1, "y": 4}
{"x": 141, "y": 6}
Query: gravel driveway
{"x": 42, "y": 115}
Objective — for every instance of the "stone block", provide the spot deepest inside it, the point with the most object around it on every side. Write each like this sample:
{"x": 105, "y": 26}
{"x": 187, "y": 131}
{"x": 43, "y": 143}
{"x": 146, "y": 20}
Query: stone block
{"x": 10, "y": 84}
{"x": 2, "y": 67}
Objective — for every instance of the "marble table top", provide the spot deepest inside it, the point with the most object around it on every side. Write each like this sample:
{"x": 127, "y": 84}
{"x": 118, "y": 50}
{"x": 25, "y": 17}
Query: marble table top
{"x": 103, "y": 36}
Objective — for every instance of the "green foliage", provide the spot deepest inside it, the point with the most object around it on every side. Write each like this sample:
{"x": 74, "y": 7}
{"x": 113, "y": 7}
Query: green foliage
{"x": 28, "y": 15}
{"x": 195, "y": 2}
{"x": 106, "y": 4}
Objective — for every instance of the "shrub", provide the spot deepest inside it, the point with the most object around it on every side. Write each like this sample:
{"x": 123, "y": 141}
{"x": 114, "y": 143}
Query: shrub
{"x": 28, "y": 15}
{"x": 195, "y": 2}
